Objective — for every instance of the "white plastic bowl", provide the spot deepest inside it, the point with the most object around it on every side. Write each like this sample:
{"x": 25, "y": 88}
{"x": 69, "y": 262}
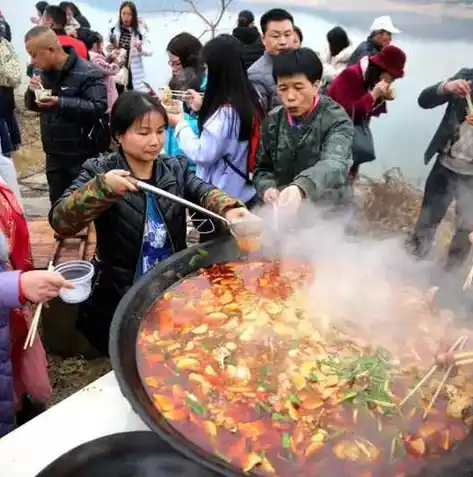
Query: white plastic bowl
{"x": 42, "y": 94}
{"x": 79, "y": 273}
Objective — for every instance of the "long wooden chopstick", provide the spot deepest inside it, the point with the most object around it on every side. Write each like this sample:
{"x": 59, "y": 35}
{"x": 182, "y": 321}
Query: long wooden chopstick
{"x": 469, "y": 104}
{"x": 464, "y": 362}
{"x": 432, "y": 370}
{"x": 33, "y": 330}
{"x": 462, "y": 355}
{"x": 460, "y": 345}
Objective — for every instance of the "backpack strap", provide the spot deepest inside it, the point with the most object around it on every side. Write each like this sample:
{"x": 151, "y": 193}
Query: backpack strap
{"x": 227, "y": 159}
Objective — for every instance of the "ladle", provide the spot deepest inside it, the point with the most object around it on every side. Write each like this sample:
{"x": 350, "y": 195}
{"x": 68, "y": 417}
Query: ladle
{"x": 231, "y": 225}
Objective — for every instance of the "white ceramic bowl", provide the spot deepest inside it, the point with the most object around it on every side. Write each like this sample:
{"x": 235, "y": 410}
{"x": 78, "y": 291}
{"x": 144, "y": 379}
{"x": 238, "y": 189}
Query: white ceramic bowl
{"x": 79, "y": 273}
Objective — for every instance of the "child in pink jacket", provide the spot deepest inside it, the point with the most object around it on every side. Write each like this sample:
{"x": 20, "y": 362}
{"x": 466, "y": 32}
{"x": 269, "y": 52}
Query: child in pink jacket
{"x": 108, "y": 64}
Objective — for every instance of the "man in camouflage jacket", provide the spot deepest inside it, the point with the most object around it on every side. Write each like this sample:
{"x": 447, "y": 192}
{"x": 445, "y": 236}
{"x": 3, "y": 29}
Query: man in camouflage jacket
{"x": 305, "y": 143}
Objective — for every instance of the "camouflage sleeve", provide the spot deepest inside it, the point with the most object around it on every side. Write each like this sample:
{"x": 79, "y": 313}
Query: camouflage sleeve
{"x": 331, "y": 172}
{"x": 217, "y": 201}
{"x": 83, "y": 205}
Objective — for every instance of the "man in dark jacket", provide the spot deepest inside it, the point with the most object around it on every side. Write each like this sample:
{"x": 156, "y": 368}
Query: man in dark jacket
{"x": 247, "y": 33}
{"x": 305, "y": 145}
{"x": 73, "y": 118}
{"x": 451, "y": 177}
{"x": 381, "y": 33}
{"x": 277, "y": 26}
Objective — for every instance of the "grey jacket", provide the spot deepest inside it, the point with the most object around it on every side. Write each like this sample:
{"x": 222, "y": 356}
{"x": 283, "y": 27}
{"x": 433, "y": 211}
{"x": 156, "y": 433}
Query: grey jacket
{"x": 455, "y": 113}
{"x": 260, "y": 74}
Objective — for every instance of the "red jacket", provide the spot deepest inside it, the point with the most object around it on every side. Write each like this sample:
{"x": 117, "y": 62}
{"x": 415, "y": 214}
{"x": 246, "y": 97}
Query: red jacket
{"x": 348, "y": 89}
{"x": 78, "y": 45}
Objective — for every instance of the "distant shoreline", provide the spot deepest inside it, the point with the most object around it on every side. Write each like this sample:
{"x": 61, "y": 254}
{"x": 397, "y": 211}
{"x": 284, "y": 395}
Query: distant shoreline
{"x": 417, "y": 21}
{"x": 416, "y": 18}
{"x": 433, "y": 8}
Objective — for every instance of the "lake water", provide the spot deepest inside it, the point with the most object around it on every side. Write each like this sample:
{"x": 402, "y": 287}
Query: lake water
{"x": 401, "y": 136}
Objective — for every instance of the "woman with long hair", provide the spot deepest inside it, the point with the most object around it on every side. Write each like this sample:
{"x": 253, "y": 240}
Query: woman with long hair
{"x": 228, "y": 115}
{"x": 135, "y": 230}
{"x": 248, "y": 34}
{"x": 188, "y": 72}
{"x": 338, "y": 53}
{"x": 73, "y": 12}
{"x": 128, "y": 36}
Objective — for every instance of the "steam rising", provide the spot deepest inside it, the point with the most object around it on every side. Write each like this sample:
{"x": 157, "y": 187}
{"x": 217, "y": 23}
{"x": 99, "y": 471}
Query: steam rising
{"x": 356, "y": 278}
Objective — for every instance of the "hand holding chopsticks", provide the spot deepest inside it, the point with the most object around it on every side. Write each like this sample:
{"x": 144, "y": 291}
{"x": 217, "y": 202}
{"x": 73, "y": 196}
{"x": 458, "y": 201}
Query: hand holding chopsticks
{"x": 458, "y": 345}
{"x": 39, "y": 287}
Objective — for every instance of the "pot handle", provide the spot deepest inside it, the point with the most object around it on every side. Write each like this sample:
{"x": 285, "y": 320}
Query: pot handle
{"x": 162, "y": 193}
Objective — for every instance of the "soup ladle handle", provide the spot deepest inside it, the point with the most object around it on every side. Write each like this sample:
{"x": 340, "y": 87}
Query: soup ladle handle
{"x": 162, "y": 193}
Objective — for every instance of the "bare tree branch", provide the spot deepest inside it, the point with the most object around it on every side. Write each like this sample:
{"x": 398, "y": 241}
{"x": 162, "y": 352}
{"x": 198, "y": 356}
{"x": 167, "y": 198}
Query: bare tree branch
{"x": 224, "y": 4}
{"x": 193, "y": 9}
{"x": 196, "y": 12}
{"x": 204, "y": 32}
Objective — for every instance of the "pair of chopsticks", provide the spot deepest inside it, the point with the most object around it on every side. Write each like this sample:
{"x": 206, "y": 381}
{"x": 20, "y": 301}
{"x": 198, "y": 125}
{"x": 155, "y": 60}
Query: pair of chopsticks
{"x": 176, "y": 92}
{"x": 33, "y": 330}
{"x": 457, "y": 346}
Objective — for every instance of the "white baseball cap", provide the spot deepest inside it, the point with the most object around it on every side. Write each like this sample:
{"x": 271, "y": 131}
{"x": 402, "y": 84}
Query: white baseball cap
{"x": 384, "y": 23}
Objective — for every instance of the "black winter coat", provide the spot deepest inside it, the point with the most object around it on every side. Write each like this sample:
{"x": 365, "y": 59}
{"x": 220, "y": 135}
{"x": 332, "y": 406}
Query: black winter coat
{"x": 252, "y": 46}
{"x": 365, "y": 48}
{"x": 7, "y": 101}
{"x": 69, "y": 130}
{"x": 119, "y": 231}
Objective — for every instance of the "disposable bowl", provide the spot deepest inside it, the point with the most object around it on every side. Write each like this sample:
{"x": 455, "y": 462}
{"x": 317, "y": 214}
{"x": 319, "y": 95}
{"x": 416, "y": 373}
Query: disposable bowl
{"x": 42, "y": 94}
{"x": 79, "y": 273}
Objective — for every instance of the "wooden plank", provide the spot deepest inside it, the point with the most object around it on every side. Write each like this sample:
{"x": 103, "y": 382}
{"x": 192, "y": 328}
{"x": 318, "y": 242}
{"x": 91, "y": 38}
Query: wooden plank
{"x": 42, "y": 238}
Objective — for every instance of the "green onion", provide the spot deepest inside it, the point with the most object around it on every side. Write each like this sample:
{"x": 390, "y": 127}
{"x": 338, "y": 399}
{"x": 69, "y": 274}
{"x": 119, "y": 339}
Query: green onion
{"x": 264, "y": 407}
{"x": 276, "y": 416}
{"x": 195, "y": 406}
{"x": 294, "y": 399}
{"x": 286, "y": 440}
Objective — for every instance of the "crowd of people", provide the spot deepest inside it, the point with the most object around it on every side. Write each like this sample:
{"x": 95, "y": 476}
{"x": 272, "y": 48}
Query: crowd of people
{"x": 249, "y": 118}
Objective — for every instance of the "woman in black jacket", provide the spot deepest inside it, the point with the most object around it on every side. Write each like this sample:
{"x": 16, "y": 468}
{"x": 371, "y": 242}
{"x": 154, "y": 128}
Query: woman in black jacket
{"x": 247, "y": 33}
{"x": 135, "y": 230}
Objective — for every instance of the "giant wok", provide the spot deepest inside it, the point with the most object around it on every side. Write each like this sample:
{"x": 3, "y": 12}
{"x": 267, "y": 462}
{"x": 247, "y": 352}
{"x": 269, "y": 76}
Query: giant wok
{"x": 217, "y": 355}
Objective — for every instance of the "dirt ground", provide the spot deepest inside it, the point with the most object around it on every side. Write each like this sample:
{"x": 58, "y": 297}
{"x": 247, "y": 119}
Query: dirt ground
{"x": 30, "y": 158}
{"x": 388, "y": 206}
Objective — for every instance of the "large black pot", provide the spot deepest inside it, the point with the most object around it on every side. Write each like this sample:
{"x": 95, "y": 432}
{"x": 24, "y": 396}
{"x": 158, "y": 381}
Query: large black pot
{"x": 151, "y": 287}
{"x": 128, "y": 454}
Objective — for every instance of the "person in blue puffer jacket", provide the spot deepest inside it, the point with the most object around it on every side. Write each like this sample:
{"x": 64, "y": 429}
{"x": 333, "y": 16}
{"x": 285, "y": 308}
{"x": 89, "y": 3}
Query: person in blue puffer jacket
{"x": 188, "y": 72}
